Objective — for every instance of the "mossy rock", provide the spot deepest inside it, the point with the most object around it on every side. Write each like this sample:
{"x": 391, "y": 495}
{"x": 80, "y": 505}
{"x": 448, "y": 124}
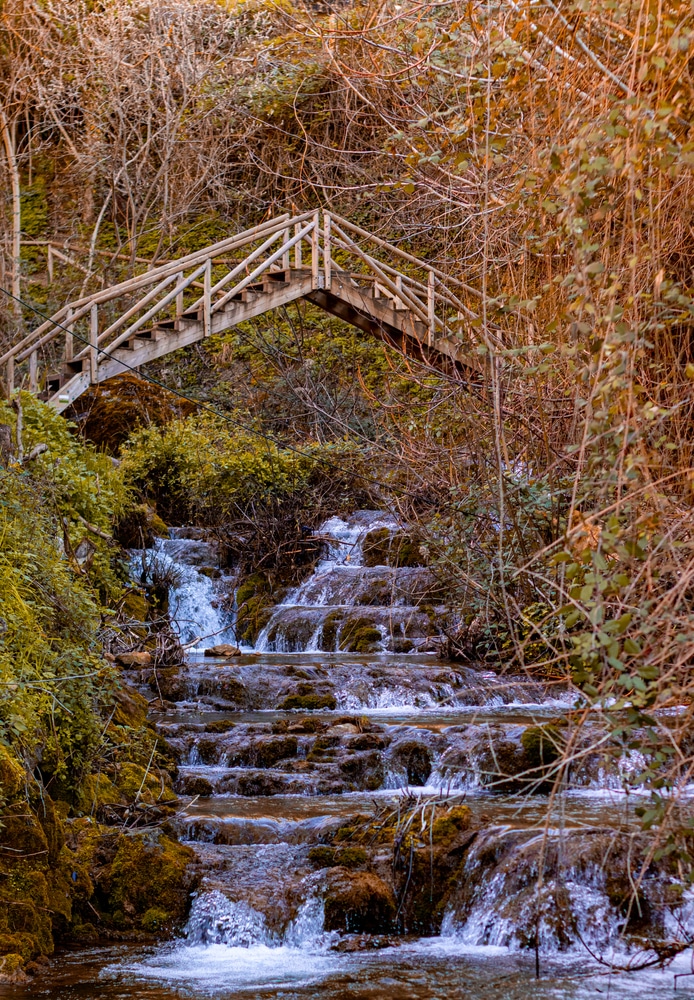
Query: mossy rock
{"x": 155, "y": 920}
{"x": 220, "y": 726}
{"x": 135, "y": 605}
{"x": 256, "y": 583}
{"x": 310, "y": 702}
{"x": 382, "y": 547}
{"x": 268, "y": 752}
{"x": 254, "y": 601}
{"x": 11, "y": 969}
{"x": 26, "y": 897}
{"x": 364, "y": 770}
{"x": 96, "y": 791}
{"x": 130, "y": 707}
{"x": 501, "y": 764}
{"x": 140, "y": 527}
{"x": 135, "y": 783}
{"x": 378, "y": 593}
{"x": 193, "y": 784}
{"x": 170, "y": 683}
{"x": 360, "y": 635}
{"x": 293, "y": 635}
{"x": 149, "y": 873}
{"x": 18, "y": 944}
{"x": 13, "y": 776}
{"x": 332, "y": 857}
{"x": 402, "y": 646}
{"x": 367, "y": 741}
{"x": 224, "y": 686}
{"x": 448, "y": 826}
{"x": 542, "y": 744}
{"x": 358, "y": 902}
{"x": 376, "y": 547}
{"x": 415, "y": 758}
{"x": 209, "y": 750}
{"x": 252, "y": 617}
{"x": 331, "y": 627}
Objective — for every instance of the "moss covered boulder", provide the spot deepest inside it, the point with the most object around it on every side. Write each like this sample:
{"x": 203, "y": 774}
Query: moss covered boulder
{"x": 360, "y": 635}
{"x": 383, "y": 547}
{"x": 254, "y": 600}
{"x": 357, "y": 902}
{"x": 415, "y": 759}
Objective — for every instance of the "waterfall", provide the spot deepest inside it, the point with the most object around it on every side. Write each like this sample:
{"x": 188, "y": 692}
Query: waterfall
{"x": 346, "y": 605}
{"x": 200, "y": 594}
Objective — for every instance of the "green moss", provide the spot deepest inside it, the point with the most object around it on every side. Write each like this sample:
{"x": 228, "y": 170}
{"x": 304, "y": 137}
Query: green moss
{"x": 12, "y": 776}
{"x": 10, "y": 966}
{"x": 96, "y": 791}
{"x": 376, "y": 547}
{"x": 253, "y": 614}
{"x": 330, "y": 857}
{"x": 310, "y": 702}
{"x": 136, "y": 783}
{"x": 256, "y": 583}
{"x": 448, "y": 826}
{"x": 331, "y": 626}
{"x": 360, "y": 635}
{"x": 385, "y": 548}
{"x": 155, "y": 920}
{"x": 149, "y": 874}
{"x": 542, "y": 745}
{"x": 18, "y": 944}
{"x": 130, "y": 707}
{"x": 34, "y": 208}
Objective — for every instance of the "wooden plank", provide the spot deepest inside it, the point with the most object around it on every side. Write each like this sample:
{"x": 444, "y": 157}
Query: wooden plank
{"x": 93, "y": 340}
{"x": 239, "y": 312}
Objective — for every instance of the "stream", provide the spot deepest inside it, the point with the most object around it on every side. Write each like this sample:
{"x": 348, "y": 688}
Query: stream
{"x": 266, "y": 780}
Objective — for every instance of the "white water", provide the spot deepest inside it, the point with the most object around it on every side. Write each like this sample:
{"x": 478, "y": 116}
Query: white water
{"x": 228, "y": 944}
{"x": 200, "y": 608}
{"x": 387, "y": 596}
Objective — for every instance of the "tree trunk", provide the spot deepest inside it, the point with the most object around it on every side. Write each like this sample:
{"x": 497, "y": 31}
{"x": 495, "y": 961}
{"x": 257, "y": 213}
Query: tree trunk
{"x": 8, "y": 142}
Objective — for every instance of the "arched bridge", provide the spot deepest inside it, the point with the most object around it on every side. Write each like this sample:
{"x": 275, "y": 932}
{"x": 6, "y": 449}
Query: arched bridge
{"x": 329, "y": 261}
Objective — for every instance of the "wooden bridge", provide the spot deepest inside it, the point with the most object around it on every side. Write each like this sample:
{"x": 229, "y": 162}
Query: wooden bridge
{"x": 406, "y": 302}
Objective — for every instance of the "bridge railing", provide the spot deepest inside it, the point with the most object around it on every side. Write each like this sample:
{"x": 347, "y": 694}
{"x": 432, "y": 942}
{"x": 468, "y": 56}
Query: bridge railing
{"x": 429, "y": 294}
{"x": 86, "y": 330}
{"x": 64, "y": 352}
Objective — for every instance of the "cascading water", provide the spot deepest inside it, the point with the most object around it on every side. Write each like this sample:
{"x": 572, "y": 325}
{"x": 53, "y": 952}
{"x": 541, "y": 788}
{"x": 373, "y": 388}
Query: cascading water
{"x": 200, "y": 594}
{"x": 285, "y": 750}
{"x": 347, "y": 605}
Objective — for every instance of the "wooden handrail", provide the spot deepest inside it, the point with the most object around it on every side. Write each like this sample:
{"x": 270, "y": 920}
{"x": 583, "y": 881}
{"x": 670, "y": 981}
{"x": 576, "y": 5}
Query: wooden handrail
{"x": 427, "y": 302}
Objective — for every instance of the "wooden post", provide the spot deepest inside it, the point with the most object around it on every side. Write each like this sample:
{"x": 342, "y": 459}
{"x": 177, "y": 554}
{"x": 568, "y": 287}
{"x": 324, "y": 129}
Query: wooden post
{"x": 297, "y": 247}
{"x": 93, "y": 343}
{"x": 10, "y": 377}
{"x": 69, "y": 343}
{"x": 315, "y": 261}
{"x": 33, "y": 371}
{"x": 179, "y": 297}
{"x": 327, "y": 260}
{"x": 50, "y": 264}
{"x": 207, "y": 300}
{"x": 431, "y": 307}
{"x": 286, "y": 262}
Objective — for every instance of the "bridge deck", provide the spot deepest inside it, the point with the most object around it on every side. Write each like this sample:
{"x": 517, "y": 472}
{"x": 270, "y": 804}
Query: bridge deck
{"x": 414, "y": 308}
